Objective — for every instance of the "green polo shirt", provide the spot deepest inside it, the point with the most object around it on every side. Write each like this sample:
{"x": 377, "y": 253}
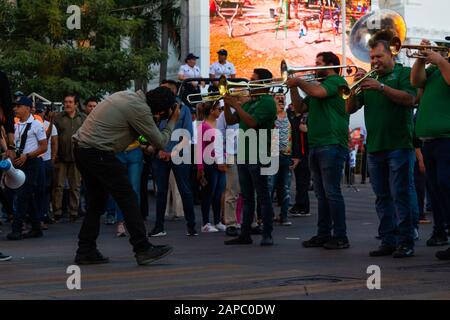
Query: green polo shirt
{"x": 328, "y": 121}
{"x": 389, "y": 125}
{"x": 433, "y": 117}
{"x": 264, "y": 110}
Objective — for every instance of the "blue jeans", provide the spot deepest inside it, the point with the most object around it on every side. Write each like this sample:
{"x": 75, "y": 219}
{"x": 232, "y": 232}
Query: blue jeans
{"x": 327, "y": 166}
{"x": 133, "y": 160}
{"x": 212, "y": 192}
{"x": 251, "y": 180}
{"x": 182, "y": 173}
{"x": 413, "y": 192}
{"x": 282, "y": 182}
{"x": 390, "y": 173}
{"x": 437, "y": 162}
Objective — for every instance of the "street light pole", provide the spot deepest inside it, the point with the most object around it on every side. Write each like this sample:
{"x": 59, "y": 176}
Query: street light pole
{"x": 344, "y": 31}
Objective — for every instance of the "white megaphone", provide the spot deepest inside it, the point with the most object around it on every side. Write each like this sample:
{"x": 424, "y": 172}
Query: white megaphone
{"x": 13, "y": 178}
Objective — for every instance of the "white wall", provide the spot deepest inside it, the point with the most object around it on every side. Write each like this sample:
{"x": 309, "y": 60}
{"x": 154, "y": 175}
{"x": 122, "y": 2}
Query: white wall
{"x": 199, "y": 33}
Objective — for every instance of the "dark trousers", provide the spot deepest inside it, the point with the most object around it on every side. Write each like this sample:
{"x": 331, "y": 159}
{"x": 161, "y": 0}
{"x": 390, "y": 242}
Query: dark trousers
{"x": 251, "y": 180}
{"x": 182, "y": 172}
{"x": 103, "y": 175}
{"x": 212, "y": 193}
{"x": 27, "y": 201}
{"x": 146, "y": 171}
{"x": 302, "y": 182}
{"x": 45, "y": 189}
{"x": 436, "y": 155}
{"x": 364, "y": 165}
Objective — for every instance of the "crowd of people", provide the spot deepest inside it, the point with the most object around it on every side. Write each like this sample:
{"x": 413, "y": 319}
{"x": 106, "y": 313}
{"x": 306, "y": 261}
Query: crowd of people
{"x": 94, "y": 159}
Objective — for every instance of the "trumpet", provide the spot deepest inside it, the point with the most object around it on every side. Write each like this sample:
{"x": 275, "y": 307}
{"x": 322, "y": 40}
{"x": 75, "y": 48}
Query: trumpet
{"x": 346, "y": 92}
{"x": 415, "y": 51}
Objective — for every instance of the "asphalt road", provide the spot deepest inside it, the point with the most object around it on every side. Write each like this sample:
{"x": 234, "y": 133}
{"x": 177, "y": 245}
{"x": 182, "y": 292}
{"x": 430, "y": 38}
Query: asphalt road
{"x": 203, "y": 268}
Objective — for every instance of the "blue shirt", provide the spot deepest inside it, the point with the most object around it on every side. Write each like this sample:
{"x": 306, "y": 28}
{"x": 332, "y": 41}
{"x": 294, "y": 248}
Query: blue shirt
{"x": 184, "y": 122}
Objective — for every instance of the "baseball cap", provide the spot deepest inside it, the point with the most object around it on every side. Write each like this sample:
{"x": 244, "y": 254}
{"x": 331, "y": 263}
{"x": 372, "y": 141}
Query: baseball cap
{"x": 222, "y": 52}
{"x": 40, "y": 107}
{"x": 191, "y": 56}
{"x": 23, "y": 101}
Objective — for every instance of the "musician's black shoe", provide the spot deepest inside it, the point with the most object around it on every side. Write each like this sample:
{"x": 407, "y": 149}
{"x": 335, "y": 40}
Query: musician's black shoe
{"x": 94, "y": 257}
{"x": 337, "y": 243}
{"x": 316, "y": 241}
{"x": 152, "y": 254}
{"x": 403, "y": 252}
{"x": 382, "y": 251}
{"x": 33, "y": 234}
{"x": 443, "y": 255}
{"x": 241, "y": 240}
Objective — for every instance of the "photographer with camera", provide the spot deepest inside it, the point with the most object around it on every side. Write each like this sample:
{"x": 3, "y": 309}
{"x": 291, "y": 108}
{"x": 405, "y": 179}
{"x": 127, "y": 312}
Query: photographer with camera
{"x": 111, "y": 127}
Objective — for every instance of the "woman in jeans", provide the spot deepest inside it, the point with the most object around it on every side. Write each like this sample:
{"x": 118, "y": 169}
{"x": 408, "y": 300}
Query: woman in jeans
{"x": 133, "y": 159}
{"x": 210, "y": 176}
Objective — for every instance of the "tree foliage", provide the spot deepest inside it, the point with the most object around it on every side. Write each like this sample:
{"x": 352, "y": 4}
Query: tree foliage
{"x": 40, "y": 54}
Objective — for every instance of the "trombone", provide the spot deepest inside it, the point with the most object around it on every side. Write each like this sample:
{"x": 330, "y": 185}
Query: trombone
{"x": 415, "y": 51}
{"x": 309, "y": 73}
{"x": 237, "y": 89}
{"x": 346, "y": 92}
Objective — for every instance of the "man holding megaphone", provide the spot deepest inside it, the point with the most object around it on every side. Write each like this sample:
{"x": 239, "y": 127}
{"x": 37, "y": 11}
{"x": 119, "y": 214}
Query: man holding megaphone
{"x": 30, "y": 142}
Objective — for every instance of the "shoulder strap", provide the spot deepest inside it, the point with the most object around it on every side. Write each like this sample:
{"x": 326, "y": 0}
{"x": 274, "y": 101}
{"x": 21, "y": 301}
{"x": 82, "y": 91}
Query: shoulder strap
{"x": 24, "y": 137}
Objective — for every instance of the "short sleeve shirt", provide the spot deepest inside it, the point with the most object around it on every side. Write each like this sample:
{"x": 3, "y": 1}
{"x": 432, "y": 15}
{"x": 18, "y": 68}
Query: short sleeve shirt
{"x": 264, "y": 111}
{"x": 433, "y": 117}
{"x": 328, "y": 121}
{"x": 48, "y": 154}
{"x": 217, "y": 69}
{"x": 189, "y": 72}
{"x": 389, "y": 125}
{"x": 34, "y": 135}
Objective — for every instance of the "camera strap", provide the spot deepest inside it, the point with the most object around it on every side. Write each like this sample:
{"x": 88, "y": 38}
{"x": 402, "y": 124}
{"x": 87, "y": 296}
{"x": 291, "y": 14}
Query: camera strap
{"x": 23, "y": 138}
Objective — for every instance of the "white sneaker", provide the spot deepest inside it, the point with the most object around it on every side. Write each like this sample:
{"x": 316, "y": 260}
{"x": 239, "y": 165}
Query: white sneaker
{"x": 221, "y": 227}
{"x": 209, "y": 228}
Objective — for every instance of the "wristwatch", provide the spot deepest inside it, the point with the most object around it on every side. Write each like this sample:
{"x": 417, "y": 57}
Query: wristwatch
{"x": 382, "y": 87}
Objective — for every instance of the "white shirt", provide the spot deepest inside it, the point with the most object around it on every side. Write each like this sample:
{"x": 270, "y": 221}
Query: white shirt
{"x": 48, "y": 154}
{"x": 230, "y": 139}
{"x": 217, "y": 69}
{"x": 35, "y": 134}
{"x": 189, "y": 72}
{"x": 194, "y": 132}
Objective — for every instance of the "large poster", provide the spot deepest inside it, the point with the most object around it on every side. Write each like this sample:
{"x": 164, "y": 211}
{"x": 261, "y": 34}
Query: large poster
{"x": 261, "y": 33}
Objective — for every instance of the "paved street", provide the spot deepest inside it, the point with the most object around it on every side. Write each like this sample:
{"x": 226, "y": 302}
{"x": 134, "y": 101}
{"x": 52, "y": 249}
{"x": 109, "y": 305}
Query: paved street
{"x": 203, "y": 268}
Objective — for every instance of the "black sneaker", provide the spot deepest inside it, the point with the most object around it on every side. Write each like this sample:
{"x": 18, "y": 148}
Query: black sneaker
{"x": 403, "y": 252}
{"x": 232, "y": 231}
{"x": 256, "y": 230}
{"x": 4, "y": 257}
{"x": 14, "y": 236}
{"x": 437, "y": 240}
{"x": 337, "y": 243}
{"x": 152, "y": 254}
{"x": 382, "y": 251}
{"x": 57, "y": 218}
{"x": 191, "y": 232}
{"x": 95, "y": 257}
{"x": 443, "y": 255}
{"x": 33, "y": 234}
{"x": 157, "y": 232}
{"x": 267, "y": 241}
{"x": 241, "y": 240}
{"x": 316, "y": 241}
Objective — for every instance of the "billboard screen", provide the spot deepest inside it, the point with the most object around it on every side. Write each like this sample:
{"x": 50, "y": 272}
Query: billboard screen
{"x": 261, "y": 33}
